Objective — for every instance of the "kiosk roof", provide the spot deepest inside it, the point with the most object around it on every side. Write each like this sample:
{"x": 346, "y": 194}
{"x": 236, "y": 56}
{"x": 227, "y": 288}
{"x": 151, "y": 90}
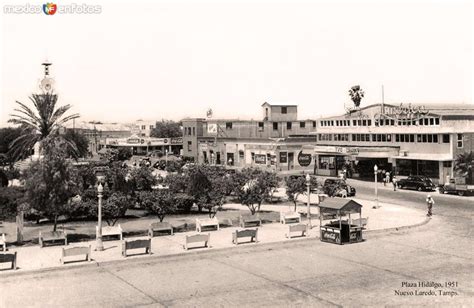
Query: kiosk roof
{"x": 345, "y": 205}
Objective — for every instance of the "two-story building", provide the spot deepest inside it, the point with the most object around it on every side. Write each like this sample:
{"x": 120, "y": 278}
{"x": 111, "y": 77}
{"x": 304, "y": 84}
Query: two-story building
{"x": 276, "y": 142}
{"x": 406, "y": 139}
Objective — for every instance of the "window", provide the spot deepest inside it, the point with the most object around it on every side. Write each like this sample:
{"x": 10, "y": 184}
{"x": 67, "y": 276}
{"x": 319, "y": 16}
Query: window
{"x": 190, "y": 143}
{"x": 354, "y": 122}
{"x": 241, "y": 154}
{"x": 322, "y": 123}
{"x": 228, "y": 125}
{"x": 288, "y": 125}
{"x": 459, "y": 139}
{"x": 424, "y": 138}
{"x": 435, "y": 138}
{"x": 194, "y": 131}
{"x": 302, "y": 124}
{"x": 143, "y": 127}
{"x": 252, "y": 155}
{"x": 436, "y": 121}
{"x": 314, "y": 124}
{"x": 151, "y": 126}
{"x": 275, "y": 125}
{"x": 369, "y": 122}
{"x": 284, "y": 110}
{"x": 260, "y": 126}
{"x": 445, "y": 138}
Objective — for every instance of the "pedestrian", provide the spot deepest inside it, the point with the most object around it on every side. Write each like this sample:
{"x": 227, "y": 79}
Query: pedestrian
{"x": 387, "y": 177}
{"x": 429, "y": 203}
{"x": 394, "y": 182}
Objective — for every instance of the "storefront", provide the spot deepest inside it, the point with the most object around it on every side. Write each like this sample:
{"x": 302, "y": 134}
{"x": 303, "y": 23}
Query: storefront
{"x": 146, "y": 145}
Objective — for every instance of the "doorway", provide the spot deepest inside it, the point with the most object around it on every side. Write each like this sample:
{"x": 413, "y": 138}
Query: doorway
{"x": 291, "y": 158}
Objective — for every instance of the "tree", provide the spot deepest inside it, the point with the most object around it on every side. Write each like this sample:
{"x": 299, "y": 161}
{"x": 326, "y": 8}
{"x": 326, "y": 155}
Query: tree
{"x": 10, "y": 200}
{"x": 7, "y": 135}
{"x": 464, "y": 165}
{"x": 166, "y": 129}
{"x": 199, "y": 187}
{"x": 295, "y": 186}
{"x": 176, "y": 182}
{"x": 356, "y": 93}
{"x": 119, "y": 180}
{"x": 124, "y": 154}
{"x": 159, "y": 202}
{"x": 114, "y": 207}
{"x": 80, "y": 141}
{"x": 52, "y": 181}
{"x": 39, "y": 124}
{"x": 256, "y": 189}
{"x": 142, "y": 178}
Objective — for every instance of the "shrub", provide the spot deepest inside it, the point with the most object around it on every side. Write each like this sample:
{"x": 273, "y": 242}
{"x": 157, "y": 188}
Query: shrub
{"x": 10, "y": 200}
{"x": 184, "y": 202}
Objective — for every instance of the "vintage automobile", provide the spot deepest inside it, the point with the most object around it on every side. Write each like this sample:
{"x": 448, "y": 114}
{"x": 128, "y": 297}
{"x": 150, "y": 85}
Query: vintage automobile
{"x": 338, "y": 188}
{"x": 418, "y": 182}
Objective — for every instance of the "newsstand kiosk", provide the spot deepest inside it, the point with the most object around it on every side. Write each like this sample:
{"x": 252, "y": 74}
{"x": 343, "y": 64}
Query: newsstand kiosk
{"x": 340, "y": 231}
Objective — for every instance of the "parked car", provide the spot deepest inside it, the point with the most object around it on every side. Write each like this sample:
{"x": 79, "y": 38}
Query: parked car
{"x": 458, "y": 186}
{"x": 338, "y": 188}
{"x": 418, "y": 182}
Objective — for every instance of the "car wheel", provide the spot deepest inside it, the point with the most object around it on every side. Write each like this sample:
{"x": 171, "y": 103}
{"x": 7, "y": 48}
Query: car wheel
{"x": 461, "y": 193}
{"x": 420, "y": 188}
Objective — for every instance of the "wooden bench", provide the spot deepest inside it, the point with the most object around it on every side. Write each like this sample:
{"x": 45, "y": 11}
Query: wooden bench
{"x": 361, "y": 221}
{"x": 203, "y": 223}
{"x": 198, "y": 238}
{"x": 289, "y": 217}
{"x": 52, "y": 236}
{"x": 110, "y": 231}
{"x": 252, "y": 233}
{"x": 136, "y": 244}
{"x": 76, "y": 251}
{"x": 303, "y": 228}
{"x": 159, "y": 227}
{"x": 9, "y": 257}
{"x": 250, "y": 220}
{"x": 3, "y": 242}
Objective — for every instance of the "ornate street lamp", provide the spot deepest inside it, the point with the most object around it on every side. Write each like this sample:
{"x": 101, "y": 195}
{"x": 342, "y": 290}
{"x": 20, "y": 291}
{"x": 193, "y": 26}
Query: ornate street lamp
{"x": 308, "y": 184}
{"x": 100, "y": 190}
{"x": 376, "y": 192}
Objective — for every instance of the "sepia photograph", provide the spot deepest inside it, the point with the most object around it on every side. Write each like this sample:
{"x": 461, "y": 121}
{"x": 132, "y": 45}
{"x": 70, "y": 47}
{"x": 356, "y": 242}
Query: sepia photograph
{"x": 225, "y": 153}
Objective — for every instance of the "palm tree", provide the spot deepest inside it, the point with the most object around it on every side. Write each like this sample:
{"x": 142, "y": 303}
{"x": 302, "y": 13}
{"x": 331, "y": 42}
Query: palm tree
{"x": 39, "y": 123}
{"x": 356, "y": 93}
{"x": 464, "y": 165}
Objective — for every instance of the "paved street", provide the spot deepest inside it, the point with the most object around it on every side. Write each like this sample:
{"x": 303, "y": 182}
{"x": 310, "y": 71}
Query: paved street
{"x": 300, "y": 273}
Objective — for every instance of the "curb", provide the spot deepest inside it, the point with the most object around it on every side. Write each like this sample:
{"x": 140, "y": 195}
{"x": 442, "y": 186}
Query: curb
{"x": 191, "y": 254}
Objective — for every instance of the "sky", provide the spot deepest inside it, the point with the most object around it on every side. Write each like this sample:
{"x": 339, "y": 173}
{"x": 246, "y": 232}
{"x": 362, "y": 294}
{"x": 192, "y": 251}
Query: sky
{"x": 176, "y": 59}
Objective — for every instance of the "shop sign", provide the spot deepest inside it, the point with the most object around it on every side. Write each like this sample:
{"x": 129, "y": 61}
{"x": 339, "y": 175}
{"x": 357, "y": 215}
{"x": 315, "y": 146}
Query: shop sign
{"x": 283, "y": 157}
{"x": 304, "y": 159}
{"x": 178, "y": 140}
{"x": 133, "y": 140}
{"x": 352, "y": 151}
{"x": 329, "y": 236}
{"x": 260, "y": 159}
{"x": 212, "y": 128}
{"x": 273, "y": 160}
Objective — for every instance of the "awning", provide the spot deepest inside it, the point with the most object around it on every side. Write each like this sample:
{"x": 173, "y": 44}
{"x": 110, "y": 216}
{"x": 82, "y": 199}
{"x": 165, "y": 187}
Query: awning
{"x": 418, "y": 156}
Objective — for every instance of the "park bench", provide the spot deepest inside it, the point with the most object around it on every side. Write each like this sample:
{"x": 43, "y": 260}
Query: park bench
{"x": 52, "y": 236}
{"x": 289, "y": 217}
{"x": 303, "y": 228}
{"x": 203, "y": 223}
{"x": 76, "y": 251}
{"x": 9, "y": 257}
{"x": 252, "y": 233}
{"x": 3, "y": 242}
{"x": 159, "y": 227}
{"x": 110, "y": 231}
{"x": 198, "y": 238}
{"x": 136, "y": 244}
{"x": 361, "y": 221}
{"x": 250, "y": 220}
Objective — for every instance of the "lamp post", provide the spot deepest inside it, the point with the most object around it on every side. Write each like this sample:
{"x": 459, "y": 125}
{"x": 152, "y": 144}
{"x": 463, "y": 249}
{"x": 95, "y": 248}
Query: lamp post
{"x": 308, "y": 184}
{"x": 166, "y": 156}
{"x": 99, "y": 245}
{"x": 376, "y": 192}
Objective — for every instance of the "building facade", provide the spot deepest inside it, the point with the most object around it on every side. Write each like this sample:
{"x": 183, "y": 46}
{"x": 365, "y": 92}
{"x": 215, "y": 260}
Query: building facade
{"x": 275, "y": 143}
{"x": 404, "y": 139}
{"x": 139, "y": 145}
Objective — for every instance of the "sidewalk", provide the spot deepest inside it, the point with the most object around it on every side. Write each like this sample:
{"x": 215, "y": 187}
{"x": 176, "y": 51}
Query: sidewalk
{"x": 386, "y": 217}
